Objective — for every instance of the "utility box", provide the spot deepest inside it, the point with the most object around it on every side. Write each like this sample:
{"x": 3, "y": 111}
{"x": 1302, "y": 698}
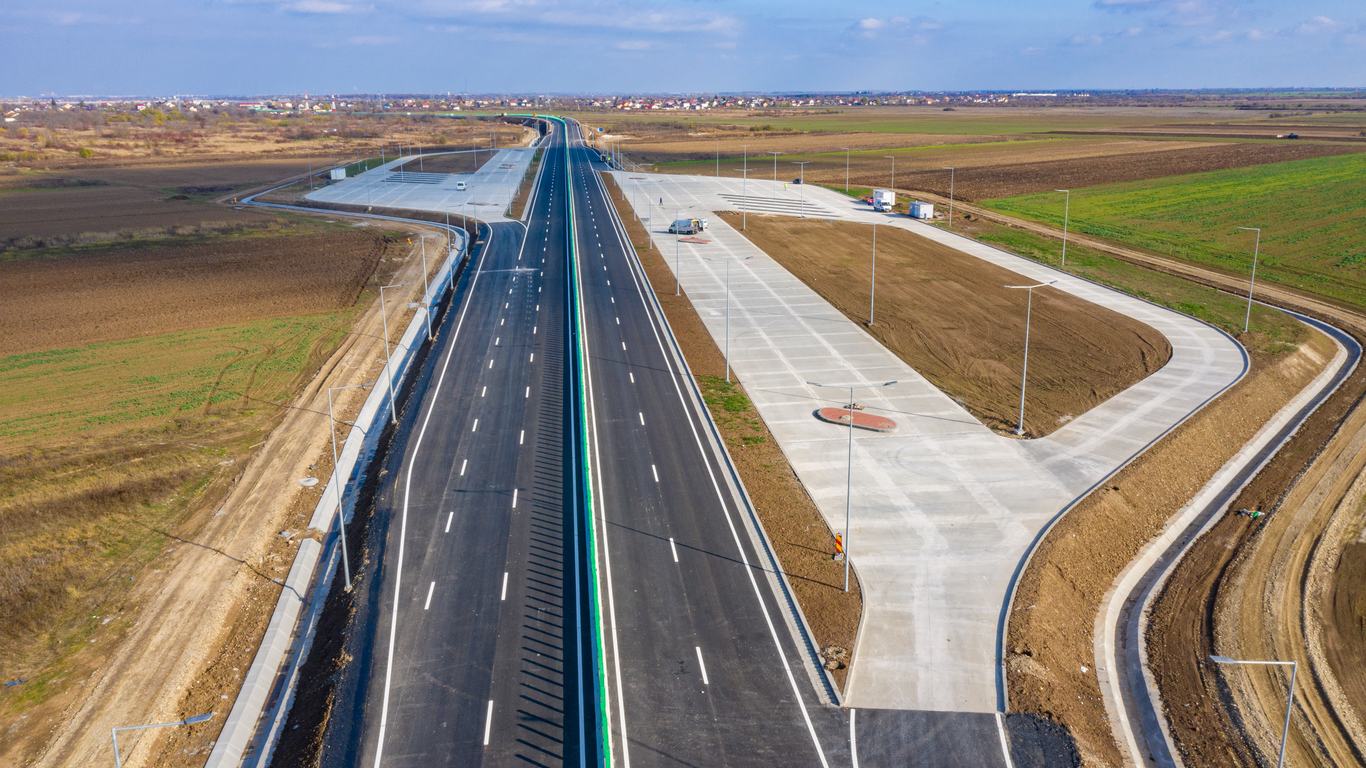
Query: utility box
{"x": 338, "y": 174}
{"x": 921, "y": 210}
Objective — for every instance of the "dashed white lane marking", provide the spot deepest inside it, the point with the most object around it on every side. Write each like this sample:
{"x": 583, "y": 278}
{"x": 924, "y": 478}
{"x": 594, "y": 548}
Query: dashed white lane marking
{"x": 618, "y": 321}
{"x": 533, "y": 329}
{"x": 488, "y": 723}
{"x": 475, "y": 428}
{"x": 609, "y": 283}
{"x": 430, "y": 589}
{"x": 521, "y": 439}
{"x": 462, "y": 468}
{"x": 614, "y": 301}
{"x": 504, "y": 320}
{"x": 505, "y": 586}
{"x": 702, "y": 665}
{"x": 514, "y": 498}
{"x": 623, "y": 345}
{"x": 483, "y": 391}
{"x": 505, "y": 304}
{"x": 641, "y": 414}
{"x": 673, "y": 549}
{"x": 538, "y": 307}
{"x": 449, "y": 518}
{"x": 656, "y": 471}
{"x": 632, "y": 375}
{"x": 490, "y": 363}
{"x": 533, "y": 357}
{"x": 528, "y": 392}
{"x": 497, "y": 339}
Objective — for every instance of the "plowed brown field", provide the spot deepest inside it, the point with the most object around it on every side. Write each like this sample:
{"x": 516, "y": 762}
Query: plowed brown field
{"x": 97, "y": 297}
{"x": 461, "y": 162}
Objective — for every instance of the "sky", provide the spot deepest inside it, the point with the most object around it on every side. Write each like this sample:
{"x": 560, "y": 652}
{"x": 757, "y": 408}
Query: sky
{"x": 248, "y": 47}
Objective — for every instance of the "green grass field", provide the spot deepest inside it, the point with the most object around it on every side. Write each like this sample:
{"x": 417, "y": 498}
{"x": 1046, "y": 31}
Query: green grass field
{"x": 65, "y": 393}
{"x": 1310, "y": 211}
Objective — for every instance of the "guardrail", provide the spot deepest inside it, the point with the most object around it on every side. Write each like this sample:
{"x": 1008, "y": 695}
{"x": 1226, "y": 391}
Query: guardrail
{"x": 258, "y": 714}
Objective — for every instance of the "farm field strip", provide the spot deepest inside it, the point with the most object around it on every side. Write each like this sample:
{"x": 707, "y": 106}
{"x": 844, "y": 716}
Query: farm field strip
{"x": 1194, "y": 218}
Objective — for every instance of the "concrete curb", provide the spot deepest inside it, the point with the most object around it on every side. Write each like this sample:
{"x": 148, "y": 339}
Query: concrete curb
{"x": 249, "y": 735}
{"x": 1120, "y": 667}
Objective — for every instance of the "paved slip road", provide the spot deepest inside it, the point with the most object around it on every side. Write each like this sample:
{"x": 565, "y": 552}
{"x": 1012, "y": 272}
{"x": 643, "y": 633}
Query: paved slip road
{"x": 463, "y": 657}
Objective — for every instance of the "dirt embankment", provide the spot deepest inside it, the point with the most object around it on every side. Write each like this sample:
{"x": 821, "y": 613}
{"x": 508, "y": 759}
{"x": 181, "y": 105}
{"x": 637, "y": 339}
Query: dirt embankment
{"x": 462, "y": 161}
{"x": 1240, "y": 591}
{"x": 1051, "y": 655}
{"x": 102, "y": 296}
{"x": 804, "y": 544}
{"x": 1310, "y": 474}
{"x": 223, "y": 567}
{"x": 949, "y": 316}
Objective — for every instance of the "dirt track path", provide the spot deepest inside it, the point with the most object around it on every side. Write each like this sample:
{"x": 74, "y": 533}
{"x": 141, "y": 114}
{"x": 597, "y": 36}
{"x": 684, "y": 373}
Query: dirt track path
{"x": 1268, "y": 602}
{"x": 199, "y": 601}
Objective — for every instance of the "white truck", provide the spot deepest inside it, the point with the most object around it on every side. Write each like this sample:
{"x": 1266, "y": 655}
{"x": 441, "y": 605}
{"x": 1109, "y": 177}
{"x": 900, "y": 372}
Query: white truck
{"x": 883, "y": 199}
{"x": 687, "y": 226}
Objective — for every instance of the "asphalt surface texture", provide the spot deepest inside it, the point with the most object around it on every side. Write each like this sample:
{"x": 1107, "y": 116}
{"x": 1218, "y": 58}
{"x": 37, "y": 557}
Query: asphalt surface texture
{"x": 467, "y": 651}
{"x": 475, "y": 641}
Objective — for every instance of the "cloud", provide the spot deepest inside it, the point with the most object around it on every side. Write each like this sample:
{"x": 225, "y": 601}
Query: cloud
{"x": 1177, "y": 13}
{"x": 325, "y": 7}
{"x": 1085, "y": 40}
{"x": 870, "y": 27}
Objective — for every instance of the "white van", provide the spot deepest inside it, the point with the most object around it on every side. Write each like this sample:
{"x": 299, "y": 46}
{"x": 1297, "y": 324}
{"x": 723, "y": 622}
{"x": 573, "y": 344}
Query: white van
{"x": 460, "y": 185}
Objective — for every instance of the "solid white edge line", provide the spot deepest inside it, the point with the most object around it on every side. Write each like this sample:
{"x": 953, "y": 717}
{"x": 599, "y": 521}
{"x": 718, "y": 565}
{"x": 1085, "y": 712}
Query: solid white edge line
{"x": 607, "y": 558}
{"x": 702, "y": 665}
{"x": 403, "y": 519}
{"x": 1005, "y": 742}
{"x": 449, "y": 518}
{"x": 430, "y": 589}
{"x": 505, "y": 587}
{"x": 488, "y": 723}
{"x": 853, "y": 739}
{"x": 675, "y": 375}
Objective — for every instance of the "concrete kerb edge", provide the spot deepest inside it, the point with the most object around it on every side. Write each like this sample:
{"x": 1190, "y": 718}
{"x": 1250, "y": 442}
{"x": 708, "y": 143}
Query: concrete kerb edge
{"x": 1003, "y": 698}
{"x": 535, "y": 185}
{"x": 245, "y": 719}
{"x": 815, "y": 670}
{"x": 1174, "y": 529}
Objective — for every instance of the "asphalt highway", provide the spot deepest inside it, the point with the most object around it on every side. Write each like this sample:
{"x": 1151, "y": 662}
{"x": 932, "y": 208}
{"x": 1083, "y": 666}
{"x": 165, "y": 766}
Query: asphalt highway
{"x": 701, "y": 666}
{"x": 468, "y": 653}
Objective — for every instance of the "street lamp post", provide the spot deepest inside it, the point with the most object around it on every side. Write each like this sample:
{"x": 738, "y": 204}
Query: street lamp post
{"x": 872, "y": 287}
{"x": 718, "y": 158}
{"x": 775, "y": 171}
{"x": 728, "y": 261}
{"x": 846, "y": 168}
{"x": 802, "y": 164}
{"x": 1066, "y": 210}
{"x": 744, "y": 199}
{"x": 336, "y": 475}
{"x": 950, "y": 170}
{"x": 388, "y": 365}
{"x": 426, "y": 289}
{"x": 1024, "y": 374}
{"x": 114, "y": 732}
{"x": 1290, "y": 700}
{"x": 849, "y": 482}
{"x": 1247, "y": 318}
{"x": 892, "y": 189}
